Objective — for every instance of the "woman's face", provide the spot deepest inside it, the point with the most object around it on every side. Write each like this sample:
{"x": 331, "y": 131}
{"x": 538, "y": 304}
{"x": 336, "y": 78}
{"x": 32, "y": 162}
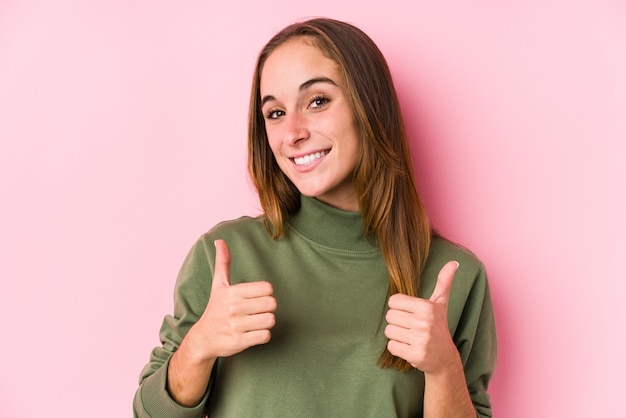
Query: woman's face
{"x": 309, "y": 122}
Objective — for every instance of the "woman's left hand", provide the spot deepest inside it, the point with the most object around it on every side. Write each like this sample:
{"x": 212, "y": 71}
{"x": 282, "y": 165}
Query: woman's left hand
{"x": 418, "y": 328}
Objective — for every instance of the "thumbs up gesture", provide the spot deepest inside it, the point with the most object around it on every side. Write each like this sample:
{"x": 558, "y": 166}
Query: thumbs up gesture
{"x": 417, "y": 328}
{"x": 237, "y": 316}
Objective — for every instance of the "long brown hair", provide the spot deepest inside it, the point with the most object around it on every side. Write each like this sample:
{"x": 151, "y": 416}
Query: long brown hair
{"x": 390, "y": 206}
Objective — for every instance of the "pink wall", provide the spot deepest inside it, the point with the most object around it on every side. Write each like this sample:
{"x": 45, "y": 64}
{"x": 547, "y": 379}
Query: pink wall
{"x": 122, "y": 138}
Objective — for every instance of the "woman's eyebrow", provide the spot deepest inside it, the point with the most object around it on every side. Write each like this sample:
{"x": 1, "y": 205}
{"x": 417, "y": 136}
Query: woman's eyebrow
{"x": 316, "y": 80}
{"x": 302, "y": 87}
{"x": 266, "y": 99}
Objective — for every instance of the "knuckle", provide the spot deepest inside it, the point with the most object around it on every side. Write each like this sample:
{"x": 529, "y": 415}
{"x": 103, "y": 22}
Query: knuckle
{"x": 267, "y": 288}
{"x": 272, "y": 304}
{"x": 388, "y": 331}
{"x": 271, "y": 320}
{"x": 393, "y": 346}
{"x": 266, "y": 336}
{"x": 233, "y": 310}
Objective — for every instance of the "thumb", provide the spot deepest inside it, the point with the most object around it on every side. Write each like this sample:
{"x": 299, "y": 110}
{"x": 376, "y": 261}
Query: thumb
{"x": 221, "y": 277}
{"x": 441, "y": 294}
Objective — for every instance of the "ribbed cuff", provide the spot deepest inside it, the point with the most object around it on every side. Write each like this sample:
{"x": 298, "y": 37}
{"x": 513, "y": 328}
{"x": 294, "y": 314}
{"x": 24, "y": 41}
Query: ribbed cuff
{"x": 156, "y": 402}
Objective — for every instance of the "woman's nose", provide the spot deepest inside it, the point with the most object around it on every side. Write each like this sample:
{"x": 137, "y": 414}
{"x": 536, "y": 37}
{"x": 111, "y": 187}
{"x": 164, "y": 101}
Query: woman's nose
{"x": 296, "y": 128}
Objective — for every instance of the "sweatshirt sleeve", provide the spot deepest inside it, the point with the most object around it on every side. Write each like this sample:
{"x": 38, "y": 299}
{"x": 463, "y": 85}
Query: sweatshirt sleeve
{"x": 475, "y": 338}
{"x": 191, "y": 296}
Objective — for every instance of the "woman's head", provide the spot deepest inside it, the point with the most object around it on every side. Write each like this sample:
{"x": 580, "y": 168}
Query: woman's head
{"x": 309, "y": 122}
{"x": 369, "y": 91}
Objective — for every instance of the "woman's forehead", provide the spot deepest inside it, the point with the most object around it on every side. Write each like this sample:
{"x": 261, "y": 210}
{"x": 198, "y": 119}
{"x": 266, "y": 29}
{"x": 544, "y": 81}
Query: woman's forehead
{"x": 294, "y": 63}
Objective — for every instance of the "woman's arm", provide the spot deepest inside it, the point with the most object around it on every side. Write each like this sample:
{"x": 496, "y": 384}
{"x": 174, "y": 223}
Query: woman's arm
{"x": 446, "y": 394}
{"x": 235, "y": 318}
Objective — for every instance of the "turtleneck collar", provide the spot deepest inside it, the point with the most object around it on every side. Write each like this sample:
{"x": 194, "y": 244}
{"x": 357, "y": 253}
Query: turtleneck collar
{"x": 330, "y": 227}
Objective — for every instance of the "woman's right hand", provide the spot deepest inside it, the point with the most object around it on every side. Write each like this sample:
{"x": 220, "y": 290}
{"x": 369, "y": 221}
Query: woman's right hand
{"x": 236, "y": 317}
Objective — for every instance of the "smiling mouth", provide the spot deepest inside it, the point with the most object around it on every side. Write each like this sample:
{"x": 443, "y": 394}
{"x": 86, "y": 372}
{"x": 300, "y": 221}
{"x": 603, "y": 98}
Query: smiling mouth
{"x": 308, "y": 159}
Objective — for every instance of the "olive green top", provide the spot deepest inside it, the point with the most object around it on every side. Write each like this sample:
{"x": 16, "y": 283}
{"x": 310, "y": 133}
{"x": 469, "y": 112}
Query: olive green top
{"x": 331, "y": 287}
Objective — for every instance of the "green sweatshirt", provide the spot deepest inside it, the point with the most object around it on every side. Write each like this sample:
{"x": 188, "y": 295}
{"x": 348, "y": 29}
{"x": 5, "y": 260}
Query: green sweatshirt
{"x": 331, "y": 285}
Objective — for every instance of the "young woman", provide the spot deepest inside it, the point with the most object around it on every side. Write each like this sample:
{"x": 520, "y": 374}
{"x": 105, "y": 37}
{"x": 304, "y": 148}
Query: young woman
{"x": 339, "y": 300}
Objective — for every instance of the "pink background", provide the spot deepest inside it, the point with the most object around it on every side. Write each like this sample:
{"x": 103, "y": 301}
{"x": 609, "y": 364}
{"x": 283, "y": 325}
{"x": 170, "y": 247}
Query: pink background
{"x": 122, "y": 128}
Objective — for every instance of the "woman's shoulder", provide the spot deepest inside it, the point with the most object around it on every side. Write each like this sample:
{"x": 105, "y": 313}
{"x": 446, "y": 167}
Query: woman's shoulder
{"x": 470, "y": 272}
{"x": 242, "y": 227}
{"x": 443, "y": 250}
{"x": 245, "y": 229}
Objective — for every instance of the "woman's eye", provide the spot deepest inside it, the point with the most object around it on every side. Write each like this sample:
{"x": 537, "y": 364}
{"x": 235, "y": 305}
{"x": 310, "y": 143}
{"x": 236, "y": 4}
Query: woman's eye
{"x": 274, "y": 114}
{"x": 318, "y": 102}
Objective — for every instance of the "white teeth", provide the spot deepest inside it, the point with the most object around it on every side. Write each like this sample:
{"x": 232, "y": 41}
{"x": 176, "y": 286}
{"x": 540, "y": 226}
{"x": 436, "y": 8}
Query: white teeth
{"x": 308, "y": 159}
